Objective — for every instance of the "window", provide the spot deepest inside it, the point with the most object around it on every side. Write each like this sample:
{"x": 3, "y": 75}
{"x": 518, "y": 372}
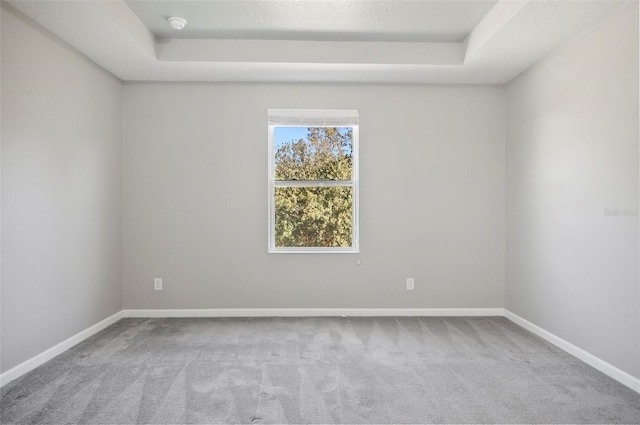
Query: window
{"x": 313, "y": 180}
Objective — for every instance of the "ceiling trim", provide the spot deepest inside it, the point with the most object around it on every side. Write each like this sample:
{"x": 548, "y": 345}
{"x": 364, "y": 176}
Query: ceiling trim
{"x": 285, "y": 51}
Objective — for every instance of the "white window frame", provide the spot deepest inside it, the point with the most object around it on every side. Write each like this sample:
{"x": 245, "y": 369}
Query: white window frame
{"x": 313, "y": 118}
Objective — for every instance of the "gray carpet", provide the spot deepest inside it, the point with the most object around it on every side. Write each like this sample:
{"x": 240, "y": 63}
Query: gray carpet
{"x": 316, "y": 370}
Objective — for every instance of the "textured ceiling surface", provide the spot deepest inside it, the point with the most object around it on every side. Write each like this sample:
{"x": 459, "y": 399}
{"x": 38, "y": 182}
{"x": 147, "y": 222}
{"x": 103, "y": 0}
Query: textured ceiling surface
{"x": 347, "y": 20}
{"x": 337, "y": 41}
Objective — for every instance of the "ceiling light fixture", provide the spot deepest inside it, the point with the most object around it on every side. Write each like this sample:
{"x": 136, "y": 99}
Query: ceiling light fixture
{"x": 177, "y": 23}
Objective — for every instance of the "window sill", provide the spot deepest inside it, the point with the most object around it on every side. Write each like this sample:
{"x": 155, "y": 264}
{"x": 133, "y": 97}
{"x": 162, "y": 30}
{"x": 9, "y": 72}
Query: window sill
{"x": 313, "y": 251}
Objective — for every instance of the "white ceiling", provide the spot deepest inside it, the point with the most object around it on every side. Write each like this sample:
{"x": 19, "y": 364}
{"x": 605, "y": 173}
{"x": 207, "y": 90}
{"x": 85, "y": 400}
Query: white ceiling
{"x": 412, "y": 41}
{"x": 320, "y": 20}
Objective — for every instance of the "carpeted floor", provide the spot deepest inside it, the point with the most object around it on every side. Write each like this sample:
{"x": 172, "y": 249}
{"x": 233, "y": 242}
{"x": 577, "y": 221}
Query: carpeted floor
{"x": 316, "y": 370}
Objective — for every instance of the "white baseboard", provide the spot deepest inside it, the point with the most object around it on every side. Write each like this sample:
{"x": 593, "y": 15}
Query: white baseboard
{"x": 313, "y": 312}
{"x": 601, "y": 365}
{"x": 47, "y": 355}
{"x": 596, "y": 362}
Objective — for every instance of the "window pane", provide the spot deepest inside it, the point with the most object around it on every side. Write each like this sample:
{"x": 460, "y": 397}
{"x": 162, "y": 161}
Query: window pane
{"x": 313, "y": 153}
{"x": 313, "y": 216}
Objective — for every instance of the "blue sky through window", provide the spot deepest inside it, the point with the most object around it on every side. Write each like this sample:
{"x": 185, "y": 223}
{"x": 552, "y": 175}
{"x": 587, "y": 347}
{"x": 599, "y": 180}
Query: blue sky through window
{"x": 282, "y": 135}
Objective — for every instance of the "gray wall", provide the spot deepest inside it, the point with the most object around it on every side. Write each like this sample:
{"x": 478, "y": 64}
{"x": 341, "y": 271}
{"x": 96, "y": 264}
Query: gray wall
{"x": 572, "y": 160}
{"x": 61, "y": 192}
{"x": 431, "y": 199}
{"x": 432, "y": 196}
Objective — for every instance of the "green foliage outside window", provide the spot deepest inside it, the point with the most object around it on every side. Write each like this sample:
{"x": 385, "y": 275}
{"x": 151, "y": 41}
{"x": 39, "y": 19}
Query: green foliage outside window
{"x": 317, "y": 216}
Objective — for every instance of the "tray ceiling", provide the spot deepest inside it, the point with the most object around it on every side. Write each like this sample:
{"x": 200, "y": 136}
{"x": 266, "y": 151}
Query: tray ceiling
{"x": 419, "y": 41}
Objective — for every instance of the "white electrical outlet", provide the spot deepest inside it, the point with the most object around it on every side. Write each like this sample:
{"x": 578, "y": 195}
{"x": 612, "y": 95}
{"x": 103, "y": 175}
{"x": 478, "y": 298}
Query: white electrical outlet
{"x": 157, "y": 284}
{"x": 410, "y": 284}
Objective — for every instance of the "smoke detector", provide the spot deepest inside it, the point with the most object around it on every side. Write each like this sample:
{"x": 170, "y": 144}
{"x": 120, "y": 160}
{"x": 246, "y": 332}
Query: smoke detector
{"x": 177, "y": 23}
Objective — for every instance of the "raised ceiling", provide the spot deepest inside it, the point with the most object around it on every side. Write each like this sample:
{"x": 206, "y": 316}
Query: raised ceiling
{"x": 418, "y": 41}
{"x": 320, "y": 20}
